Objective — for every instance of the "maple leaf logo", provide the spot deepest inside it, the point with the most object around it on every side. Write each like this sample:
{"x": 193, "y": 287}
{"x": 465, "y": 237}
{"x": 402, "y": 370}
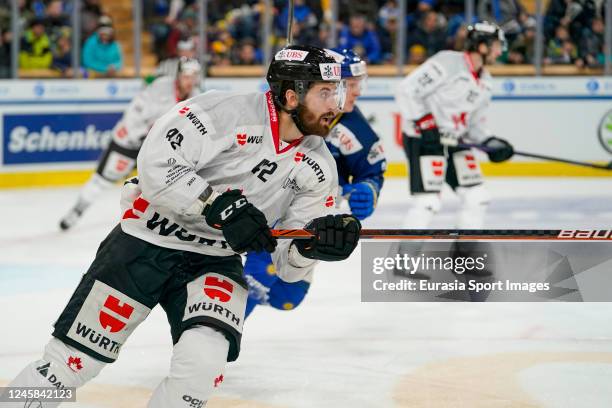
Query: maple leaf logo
{"x": 218, "y": 380}
{"x": 74, "y": 363}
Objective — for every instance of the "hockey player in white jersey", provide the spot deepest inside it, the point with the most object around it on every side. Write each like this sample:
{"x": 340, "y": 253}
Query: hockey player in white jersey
{"x": 119, "y": 158}
{"x": 214, "y": 173}
{"x": 444, "y": 103}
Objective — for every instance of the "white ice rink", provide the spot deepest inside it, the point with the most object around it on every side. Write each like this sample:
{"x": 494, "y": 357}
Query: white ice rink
{"x": 334, "y": 351}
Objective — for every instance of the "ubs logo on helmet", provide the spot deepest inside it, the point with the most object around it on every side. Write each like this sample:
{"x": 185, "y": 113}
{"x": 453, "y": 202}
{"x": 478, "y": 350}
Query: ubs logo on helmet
{"x": 330, "y": 71}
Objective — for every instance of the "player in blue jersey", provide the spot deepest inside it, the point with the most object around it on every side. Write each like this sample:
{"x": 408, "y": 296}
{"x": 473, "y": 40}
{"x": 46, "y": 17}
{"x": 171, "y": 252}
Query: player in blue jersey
{"x": 361, "y": 163}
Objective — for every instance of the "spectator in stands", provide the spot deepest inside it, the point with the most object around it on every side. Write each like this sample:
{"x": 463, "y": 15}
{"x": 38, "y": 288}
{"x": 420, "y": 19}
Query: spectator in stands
{"x": 5, "y": 53}
{"x": 35, "y": 51}
{"x": 246, "y": 53}
{"x": 417, "y": 54}
{"x": 321, "y": 39}
{"x": 62, "y": 54}
{"x": 303, "y": 15}
{"x": 91, "y": 11}
{"x": 387, "y": 11}
{"x": 575, "y": 15}
{"x": 510, "y": 15}
{"x": 221, "y": 45}
{"x": 592, "y": 44}
{"x": 522, "y": 49}
{"x": 387, "y": 35}
{"x": 361, "y": 39}
{"x": 185, "y": 27}
{"x": 429, "y": 33}
{"x": 561, "y": 49}
{"x": 101, "y": 53}
{"x": 169, "y": 67}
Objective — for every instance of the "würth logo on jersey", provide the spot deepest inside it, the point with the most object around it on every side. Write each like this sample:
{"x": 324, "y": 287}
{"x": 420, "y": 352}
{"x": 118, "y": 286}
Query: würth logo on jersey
{"x": 218, "y": 289}
{"x": 121, "y": 313}
{"x": 471, "y": 161}
{"x": 184, "y": 110}
{"x": 301, "y": 157}
{"x": 243, "y": 139}
{"x": 140, "y": 205}
{"x": 329, "y": 201}
{"x": 74, "y": 363}
{"x": 437, "y": 167}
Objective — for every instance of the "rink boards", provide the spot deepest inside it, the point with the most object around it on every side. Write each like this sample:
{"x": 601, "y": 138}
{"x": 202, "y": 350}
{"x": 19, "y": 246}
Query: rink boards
{"x": 53, "y": 131}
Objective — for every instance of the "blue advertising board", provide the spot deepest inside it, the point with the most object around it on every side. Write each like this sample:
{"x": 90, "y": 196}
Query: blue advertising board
{"x": 56, "y": 137}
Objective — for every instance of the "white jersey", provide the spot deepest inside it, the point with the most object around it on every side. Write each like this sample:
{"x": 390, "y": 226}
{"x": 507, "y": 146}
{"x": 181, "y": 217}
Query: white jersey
{"x": 228, "y": 141}
{"x": 447, "y": 87}
{"x": 146, "y": 107}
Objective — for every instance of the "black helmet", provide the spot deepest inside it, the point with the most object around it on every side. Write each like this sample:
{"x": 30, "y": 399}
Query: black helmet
{"x": 296, "y": 66}
{"x": 484, "y": 32}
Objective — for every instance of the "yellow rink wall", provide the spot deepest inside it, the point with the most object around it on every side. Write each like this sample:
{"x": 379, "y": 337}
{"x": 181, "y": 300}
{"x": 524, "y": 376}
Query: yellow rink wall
{"x": 398, "y": 170}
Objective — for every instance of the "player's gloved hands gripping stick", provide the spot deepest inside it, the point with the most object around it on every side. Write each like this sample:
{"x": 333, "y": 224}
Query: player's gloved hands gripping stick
{"x": 335, "y": 238}
{"x": 497, "y": 149}
{"x": 430, "y": 133}
{"x": 244, "y": 227}
{"x": 362, "y": 198}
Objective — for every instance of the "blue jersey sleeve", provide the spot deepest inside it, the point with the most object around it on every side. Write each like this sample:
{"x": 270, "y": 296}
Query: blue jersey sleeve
{"x": 357, "y": 149}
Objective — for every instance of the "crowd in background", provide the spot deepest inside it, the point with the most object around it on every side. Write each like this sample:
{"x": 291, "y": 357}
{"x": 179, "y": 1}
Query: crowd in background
{"x": 573, "y": 30}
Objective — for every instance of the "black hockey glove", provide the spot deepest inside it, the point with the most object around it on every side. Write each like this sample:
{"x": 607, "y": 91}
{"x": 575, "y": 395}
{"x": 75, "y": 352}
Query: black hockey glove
{"x": 430, "y": 134}
{"x": 244, "y": 227}
{"x": 335, "y": 238}
{"x": 499, "y": 149}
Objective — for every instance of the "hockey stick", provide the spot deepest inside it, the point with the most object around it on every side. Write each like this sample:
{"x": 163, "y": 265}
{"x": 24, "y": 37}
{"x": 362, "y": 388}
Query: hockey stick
{"x": 543, "y": 157}
{"x": 458, "y": 234}
{"x": 290, "y": 24}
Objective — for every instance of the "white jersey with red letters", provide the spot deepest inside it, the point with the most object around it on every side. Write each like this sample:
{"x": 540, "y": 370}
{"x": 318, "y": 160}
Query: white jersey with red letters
{"x": 228, "y": 141}
{"x": 447, "y": 87}
{"x": 146, "y": 107}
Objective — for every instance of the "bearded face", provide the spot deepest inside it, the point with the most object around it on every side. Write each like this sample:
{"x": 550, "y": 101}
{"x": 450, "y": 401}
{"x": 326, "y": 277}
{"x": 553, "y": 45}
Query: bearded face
{"x": 313, "y": 123}
{"x": 320, "y": 107}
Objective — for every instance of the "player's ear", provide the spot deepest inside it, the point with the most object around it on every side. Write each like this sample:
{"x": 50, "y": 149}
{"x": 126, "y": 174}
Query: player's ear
{"x": 291, "y": 99}
{"x": 483, "y": 49}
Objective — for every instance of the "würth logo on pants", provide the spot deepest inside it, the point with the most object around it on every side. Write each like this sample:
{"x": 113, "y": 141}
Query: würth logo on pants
{"x": 216, "y": 297}
{"x": 218, "y": 289}
{"x": 470, "y": 161}
{"x": 112, "y": 323}
{"x": 438, "y": 167}
{"x": 184, "y": 110}
{"x": 105, "y": 320}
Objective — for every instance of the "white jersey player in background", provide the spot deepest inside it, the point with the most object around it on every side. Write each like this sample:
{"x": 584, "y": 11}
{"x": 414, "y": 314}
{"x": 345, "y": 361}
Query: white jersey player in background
{"x": 119, "y": 158}
{"x": 215, "y": 172}
{"x": 444, "y": 103}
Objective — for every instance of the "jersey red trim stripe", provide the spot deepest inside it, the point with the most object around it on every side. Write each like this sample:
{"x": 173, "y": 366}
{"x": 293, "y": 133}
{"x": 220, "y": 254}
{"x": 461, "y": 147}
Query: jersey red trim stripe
{"x": 470, "y": 65}
{"x": 274, "y": 127}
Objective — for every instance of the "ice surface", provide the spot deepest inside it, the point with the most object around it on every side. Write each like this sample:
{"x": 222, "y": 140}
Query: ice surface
{"x": 334, "y": 351}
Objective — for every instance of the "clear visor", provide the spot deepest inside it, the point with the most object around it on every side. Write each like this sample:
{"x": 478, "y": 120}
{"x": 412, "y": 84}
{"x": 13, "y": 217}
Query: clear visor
{"x": 333, "y": 94}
